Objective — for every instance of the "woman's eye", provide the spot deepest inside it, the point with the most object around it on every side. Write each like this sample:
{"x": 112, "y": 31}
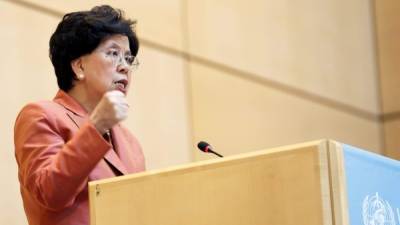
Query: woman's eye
{"x": 129, "y": 59}
{"x": 113, "y": 53}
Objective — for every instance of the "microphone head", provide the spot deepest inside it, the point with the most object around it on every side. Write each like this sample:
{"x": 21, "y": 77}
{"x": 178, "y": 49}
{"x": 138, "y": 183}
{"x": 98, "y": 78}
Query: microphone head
{"x": 204, "y": 146}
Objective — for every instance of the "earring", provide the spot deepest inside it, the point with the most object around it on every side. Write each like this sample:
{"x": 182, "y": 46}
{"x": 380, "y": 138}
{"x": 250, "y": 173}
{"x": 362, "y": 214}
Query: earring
{"x": 80, "y": 76}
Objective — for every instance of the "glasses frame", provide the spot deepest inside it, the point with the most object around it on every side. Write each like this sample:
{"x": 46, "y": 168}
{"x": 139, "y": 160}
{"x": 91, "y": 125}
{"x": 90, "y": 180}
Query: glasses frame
{"x": 117, "y": 58}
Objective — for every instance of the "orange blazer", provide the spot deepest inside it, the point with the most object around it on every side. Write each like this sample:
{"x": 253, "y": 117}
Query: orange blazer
{"x": 58, "y": 151}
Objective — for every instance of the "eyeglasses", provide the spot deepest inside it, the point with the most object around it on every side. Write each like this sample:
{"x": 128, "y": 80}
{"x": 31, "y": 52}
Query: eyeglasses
{"x": 117, "y": 57}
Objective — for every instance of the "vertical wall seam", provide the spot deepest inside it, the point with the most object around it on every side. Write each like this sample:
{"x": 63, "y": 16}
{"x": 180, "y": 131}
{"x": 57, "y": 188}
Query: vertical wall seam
{"x": 378, "y": 73}
{"x": 188, "y": 76}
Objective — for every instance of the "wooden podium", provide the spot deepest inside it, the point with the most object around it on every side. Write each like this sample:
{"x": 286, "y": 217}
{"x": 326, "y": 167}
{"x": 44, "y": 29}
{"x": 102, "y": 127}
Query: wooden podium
{"x": 303, "y": 184}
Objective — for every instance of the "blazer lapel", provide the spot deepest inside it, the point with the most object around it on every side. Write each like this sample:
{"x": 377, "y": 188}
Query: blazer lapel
{"x": 78, "y": 120}
{"x": 78, "y": 115}
{"x": 115, "y": 161}
{"x": 120, "y": 147}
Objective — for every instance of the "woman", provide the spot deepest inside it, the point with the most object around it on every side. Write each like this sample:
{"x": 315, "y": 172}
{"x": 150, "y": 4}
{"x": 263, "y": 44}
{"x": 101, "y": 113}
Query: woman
{"x": 63, "y": 144}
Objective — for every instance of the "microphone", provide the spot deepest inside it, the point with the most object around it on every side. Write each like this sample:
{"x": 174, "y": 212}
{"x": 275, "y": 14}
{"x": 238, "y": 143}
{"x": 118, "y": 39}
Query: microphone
{"x": 205, "y": 147}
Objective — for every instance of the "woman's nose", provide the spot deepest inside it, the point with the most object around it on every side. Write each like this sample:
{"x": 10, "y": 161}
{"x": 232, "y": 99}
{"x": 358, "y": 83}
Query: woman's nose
{"x": 123, "y": 67}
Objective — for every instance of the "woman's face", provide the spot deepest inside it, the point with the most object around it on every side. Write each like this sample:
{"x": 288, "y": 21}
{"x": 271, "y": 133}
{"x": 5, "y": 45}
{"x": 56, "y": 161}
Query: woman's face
{"x": 107, "y": 67}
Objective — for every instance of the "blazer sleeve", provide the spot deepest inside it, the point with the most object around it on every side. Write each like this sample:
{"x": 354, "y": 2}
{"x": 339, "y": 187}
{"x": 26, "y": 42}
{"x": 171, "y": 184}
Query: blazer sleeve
{"x": 52, "y": 169}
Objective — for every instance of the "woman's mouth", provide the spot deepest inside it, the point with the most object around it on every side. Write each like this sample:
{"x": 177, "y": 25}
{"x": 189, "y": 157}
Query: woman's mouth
{"x": 121, "y": 85}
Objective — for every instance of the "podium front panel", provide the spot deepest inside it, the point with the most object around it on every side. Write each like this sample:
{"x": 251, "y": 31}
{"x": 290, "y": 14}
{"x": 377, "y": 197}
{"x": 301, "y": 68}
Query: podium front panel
{"x": 285, "y": 186}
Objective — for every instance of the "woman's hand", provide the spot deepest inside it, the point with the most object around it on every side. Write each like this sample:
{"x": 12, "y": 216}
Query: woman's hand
{"x": 111, "y": 109}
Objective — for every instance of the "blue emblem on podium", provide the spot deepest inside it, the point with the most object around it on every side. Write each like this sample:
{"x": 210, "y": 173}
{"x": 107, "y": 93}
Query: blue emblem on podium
{"x": 373, "y": 187}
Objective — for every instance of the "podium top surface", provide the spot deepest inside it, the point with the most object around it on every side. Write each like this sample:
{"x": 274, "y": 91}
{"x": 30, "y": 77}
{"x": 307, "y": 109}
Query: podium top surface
{"x": 212, "y": 162}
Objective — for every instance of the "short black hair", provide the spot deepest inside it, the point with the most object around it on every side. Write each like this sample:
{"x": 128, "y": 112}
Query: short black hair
{"x": 79, "y": 33}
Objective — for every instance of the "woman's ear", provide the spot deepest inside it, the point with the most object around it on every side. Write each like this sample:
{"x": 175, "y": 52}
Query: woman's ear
{"x": 77, "y": 68}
